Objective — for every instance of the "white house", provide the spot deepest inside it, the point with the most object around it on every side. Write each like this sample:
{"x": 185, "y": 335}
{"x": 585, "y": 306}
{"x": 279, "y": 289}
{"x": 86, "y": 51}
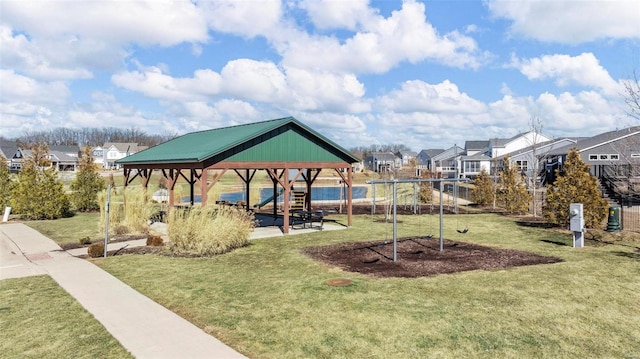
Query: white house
{"x": 113, "y": 151}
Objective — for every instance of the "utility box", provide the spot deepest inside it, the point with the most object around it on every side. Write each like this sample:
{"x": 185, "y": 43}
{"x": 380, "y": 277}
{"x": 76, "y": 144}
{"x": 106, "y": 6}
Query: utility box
{"x": 576, "y": 224}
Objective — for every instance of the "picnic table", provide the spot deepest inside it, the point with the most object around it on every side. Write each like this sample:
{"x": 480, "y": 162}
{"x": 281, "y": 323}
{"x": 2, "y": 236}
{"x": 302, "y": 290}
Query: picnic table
{"x": 305, "y": 218}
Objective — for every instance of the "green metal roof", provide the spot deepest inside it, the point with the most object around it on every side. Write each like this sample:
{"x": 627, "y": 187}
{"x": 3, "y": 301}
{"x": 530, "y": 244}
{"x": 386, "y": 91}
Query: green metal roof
{"x": 279, "y": 140}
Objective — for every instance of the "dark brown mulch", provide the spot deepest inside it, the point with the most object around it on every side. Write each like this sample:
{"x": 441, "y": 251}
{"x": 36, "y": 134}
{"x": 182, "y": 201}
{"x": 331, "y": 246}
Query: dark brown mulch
{"x": 119, "y": 238}
{"x": 417, "y": 257}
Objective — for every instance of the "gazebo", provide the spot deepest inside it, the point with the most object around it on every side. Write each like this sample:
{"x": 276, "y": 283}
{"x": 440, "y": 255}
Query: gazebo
{"x": 285, "y": 148}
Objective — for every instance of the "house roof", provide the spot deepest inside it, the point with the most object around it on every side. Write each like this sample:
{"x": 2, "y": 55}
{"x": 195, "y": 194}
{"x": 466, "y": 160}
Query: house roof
{"x": 431, "y": 152}
{"x": 587, "y": 143}
{"x": 542, "y": 148}
{"x": 449, "y": 153}
{"x": 476, "y": 157}
{"x": 384, "y": 156}
{"x": 128, "y": 147}
{"x": 476, "y": 145}
{"x": 279, "y": 140}
{"x": 62, "y": 157}
{"x": 64, "y": 149}
{"x": 407, "y": 153}
{"x": 8, "y": 148}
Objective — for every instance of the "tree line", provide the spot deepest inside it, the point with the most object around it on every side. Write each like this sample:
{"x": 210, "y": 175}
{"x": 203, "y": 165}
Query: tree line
{"x": 94, "y": 137}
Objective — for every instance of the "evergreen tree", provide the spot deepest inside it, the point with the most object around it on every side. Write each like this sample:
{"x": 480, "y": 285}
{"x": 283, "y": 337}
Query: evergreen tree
{"x": 5, "y": 184}
{"x": 425, "y": 190}
{"x": 482, "y": 192}
{"x": 574, "y": 184}
{"x": 37, "y": 193}
{"x": 87, "y": 183}
{"x": 512, "y": 194}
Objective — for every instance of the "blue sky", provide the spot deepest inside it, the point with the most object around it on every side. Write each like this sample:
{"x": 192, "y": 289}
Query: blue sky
{"x": 427, "y": 74}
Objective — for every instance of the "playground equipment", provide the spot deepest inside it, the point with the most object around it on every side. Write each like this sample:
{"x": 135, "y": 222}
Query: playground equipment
{"x": 394, "y": 183}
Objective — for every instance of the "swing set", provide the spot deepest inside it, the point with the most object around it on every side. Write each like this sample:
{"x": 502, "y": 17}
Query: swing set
{"x": 394, "y": 184}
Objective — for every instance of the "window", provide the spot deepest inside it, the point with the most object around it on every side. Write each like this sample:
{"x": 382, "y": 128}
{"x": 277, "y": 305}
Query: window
{"x": 614, "y": 157}
{"x": 472, "y": 166}
{"x": 603, "y": 157}
{"x": 523, "y": 166}
{"x": 593, "y": 157}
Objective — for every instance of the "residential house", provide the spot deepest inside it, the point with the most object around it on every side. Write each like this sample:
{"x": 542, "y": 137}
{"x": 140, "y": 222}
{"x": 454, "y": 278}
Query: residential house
{"x": 480, "y": 155}
{"x": 406, "y": 156}
{"x": 474, "y": 159}
{"x": 446, "y": 164}
{"x": 63, "y": 158}
{"x": 7, "y": 150}
{"x": 533, "y": 158}
{"x": 609, "y": 154}
{"x": 113, "y": 151}
{"x": 425, "y": 157}
{"x": 382, "y": 162}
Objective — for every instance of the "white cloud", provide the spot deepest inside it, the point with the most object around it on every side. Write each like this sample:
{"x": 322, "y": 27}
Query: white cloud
{"x": 69, "y": 40}
{"x": 584, "y": 70}
{"x": 325, "y": 91}
{"x": 152, "y": 82}
{"x": 254, "y": 80}
{"x": 570, "y": 22}
{"x": 382, "y": 44}
{"x": 419, "y": 96}
{"x": 145, "y": 22}
{"x": 332, "y": 14}
{"x": 245, "y": 18}
{"x": 17, "y": 88}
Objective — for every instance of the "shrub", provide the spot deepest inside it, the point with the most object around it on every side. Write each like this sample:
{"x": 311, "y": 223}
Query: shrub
{"x": 5, "y": 184}
{"x": 512, "y": 194}
{"x": 574, "y": 184}
{"x": 208, "y": 231}
{"x": 154, "y": 240}
{"x": 85, "y": 240}
{"x": 37, "y": 193}
{"x": 96, "y": 250}
{"x": 482, "y": 192}
{"x": 87, "y": 183}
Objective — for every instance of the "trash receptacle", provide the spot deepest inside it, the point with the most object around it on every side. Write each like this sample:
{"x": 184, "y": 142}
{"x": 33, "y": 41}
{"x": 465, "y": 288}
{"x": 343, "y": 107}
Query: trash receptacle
{"x": 613, "y": 224}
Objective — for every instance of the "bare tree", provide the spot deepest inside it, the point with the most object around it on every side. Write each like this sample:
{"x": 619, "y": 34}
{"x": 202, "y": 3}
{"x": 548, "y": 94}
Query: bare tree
{"x": 632, "y": 95}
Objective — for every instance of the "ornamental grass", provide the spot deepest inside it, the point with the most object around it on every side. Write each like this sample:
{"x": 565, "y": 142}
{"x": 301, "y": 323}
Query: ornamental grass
{"x": 208, "y": 231}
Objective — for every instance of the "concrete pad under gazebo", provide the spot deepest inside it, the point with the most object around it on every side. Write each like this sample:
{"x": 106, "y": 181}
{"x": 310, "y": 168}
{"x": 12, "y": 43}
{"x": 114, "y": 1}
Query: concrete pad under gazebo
{"x": 285, "y": 148}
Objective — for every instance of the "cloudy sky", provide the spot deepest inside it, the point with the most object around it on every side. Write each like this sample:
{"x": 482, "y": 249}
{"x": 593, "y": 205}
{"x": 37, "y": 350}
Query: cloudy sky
{"x": 427, "y": 74}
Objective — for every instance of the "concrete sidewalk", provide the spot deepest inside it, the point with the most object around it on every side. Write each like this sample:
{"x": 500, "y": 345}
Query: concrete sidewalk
{"x": 142, "y": 326}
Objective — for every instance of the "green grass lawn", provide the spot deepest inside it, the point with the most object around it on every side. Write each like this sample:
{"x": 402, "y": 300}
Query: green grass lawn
{"x": 269, "y": 301}
{"x": 38, "y": 319}
{"x": 69, "y": 230}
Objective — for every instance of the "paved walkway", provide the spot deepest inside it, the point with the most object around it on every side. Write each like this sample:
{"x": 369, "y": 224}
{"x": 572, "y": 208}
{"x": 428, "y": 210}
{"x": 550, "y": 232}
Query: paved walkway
{"x": 145, "y": 328}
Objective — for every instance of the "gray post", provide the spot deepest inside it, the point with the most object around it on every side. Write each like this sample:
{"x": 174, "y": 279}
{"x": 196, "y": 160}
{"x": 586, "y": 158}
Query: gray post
{"x": 441, "y": 214}
{"x": 395, "y": 226}
{"x": 373, "y": 185}
{"x": 106, "y": 221}
{"x": 415, "y": 198}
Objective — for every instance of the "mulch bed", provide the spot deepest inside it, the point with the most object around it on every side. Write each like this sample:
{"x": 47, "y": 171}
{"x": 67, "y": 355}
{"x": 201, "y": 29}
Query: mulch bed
{"x": 417, "y": 257}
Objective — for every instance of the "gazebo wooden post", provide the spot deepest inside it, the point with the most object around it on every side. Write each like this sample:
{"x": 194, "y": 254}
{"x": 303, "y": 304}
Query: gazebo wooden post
{"x": 350, "y": 194}
{"x": 285, "y": 206}
{"x": 275, "y": 197}
{"x": 247, "y": 186}
{"x": 204, "y": 187}
{"x": 191, "y": 189}
{"x": 309, "y": 181}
